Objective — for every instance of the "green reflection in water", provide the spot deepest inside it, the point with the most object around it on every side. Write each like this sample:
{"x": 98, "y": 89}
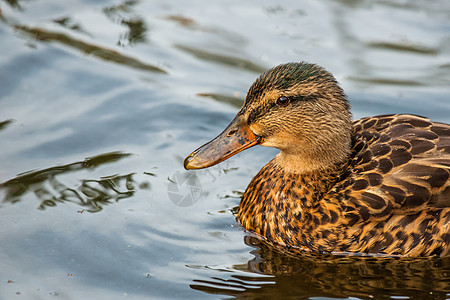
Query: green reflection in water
{"x": 92, "y": 195}
{"x": 45, "y": 35}
{"x": 405, "y": 47}
{"x": 14, "y": 4}
{"x": 137, "y": 30}
{"x": 386, "y": 81}
{"x": 234, "y": 101}
{"x": 126, "y": 6}
{"x": 68, "y": 23}
{"x": 5, "y": 124}
{"x": 223, "y": 59}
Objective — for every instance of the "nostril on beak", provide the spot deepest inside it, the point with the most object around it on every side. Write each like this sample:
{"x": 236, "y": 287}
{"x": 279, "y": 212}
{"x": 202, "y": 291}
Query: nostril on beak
{"x": 231, "y": 132}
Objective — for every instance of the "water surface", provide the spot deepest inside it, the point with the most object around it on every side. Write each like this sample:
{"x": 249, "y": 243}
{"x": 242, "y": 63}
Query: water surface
{"x": 100, "y": 101}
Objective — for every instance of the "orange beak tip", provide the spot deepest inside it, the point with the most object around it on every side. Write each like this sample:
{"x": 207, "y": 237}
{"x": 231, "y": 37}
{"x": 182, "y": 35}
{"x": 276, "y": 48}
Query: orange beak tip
{"x": 189, "y": 161}
{"x": 186, "y": 162}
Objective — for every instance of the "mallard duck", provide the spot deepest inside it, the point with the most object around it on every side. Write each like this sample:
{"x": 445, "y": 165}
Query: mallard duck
{"x": 379, "y": 185}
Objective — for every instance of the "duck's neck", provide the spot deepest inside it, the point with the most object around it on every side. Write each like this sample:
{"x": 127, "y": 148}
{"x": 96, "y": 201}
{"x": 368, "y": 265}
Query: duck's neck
{"x": 307, "y": 164}
{"x": 292, "y": 163}
{"x": 323, "y": 152}
{"x": 276, "y": 197}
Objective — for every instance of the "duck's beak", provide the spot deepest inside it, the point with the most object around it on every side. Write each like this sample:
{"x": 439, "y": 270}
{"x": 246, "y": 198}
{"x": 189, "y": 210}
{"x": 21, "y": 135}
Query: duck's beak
{"x": 235, "y": 138}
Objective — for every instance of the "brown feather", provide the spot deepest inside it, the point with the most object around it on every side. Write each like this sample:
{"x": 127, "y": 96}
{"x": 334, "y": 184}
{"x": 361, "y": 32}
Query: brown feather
{"x": 392, "y": 196}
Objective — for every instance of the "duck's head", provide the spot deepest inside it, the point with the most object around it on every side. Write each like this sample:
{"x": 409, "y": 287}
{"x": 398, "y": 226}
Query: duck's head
{"x": 298, "y": 108}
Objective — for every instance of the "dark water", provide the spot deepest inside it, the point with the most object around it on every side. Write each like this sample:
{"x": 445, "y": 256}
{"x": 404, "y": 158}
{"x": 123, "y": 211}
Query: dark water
{"x": 101, "y": 100}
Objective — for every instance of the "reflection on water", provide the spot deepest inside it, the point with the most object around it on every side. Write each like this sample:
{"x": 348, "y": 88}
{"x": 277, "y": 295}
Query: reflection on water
{"x": 91, "y": 195}
{"x": 386, "y": 81}
{"x": 68, "y": 23}
{"x": 333, "y": 276}
{"x": 137, "y": 29}
{"x": 182, "y": 20}
{"x": 45, "y": 35}
{"x": 223, "y": 59}
{"x": 5, "y": 124}
{"x": 405, "y": 46}
{"x": 14, "y": 4}
{"x": 156, "y": 79}
{"x": 234, "y": 101}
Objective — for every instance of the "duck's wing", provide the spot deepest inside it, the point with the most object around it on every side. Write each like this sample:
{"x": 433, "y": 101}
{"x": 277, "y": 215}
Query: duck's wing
{"x": 400, "y": 165}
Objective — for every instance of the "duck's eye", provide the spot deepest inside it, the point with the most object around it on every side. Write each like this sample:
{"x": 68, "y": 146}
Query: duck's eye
{"x": 282, "y": 101}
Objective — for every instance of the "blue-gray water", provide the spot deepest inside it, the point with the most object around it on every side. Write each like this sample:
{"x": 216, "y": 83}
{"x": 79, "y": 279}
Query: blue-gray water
{"x": 100, "y": 101}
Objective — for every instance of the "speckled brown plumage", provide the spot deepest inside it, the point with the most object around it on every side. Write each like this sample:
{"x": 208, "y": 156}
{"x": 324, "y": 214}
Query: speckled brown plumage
{"x": 391, "y": 196}
{"x": 376, "y": 185}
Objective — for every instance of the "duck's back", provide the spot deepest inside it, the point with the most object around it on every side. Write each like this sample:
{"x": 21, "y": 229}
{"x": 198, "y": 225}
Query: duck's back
{"x": 398, "y": 186}
{"x": 392, "y": 196}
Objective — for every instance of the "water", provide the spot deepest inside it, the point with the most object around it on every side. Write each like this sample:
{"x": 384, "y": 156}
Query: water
{"x": 100, "y": 101}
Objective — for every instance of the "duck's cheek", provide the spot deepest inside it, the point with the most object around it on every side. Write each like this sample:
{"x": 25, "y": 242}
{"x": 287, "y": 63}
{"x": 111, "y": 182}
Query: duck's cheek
{"x": 267, "y": 143}
{"x": 256, "y": 128}
{"x": 279, "y": 141}
{"x": 261, "y": 130}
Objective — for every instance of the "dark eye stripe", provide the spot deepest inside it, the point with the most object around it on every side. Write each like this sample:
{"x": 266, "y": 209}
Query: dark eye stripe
{"x": 282, "y": 101}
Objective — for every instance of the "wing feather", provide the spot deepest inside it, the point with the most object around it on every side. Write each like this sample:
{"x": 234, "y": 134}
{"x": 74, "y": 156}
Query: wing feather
{"x": 400, "y": 165}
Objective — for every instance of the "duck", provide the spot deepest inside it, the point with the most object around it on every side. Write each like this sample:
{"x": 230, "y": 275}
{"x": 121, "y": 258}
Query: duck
{"x": 379, "y": 185}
